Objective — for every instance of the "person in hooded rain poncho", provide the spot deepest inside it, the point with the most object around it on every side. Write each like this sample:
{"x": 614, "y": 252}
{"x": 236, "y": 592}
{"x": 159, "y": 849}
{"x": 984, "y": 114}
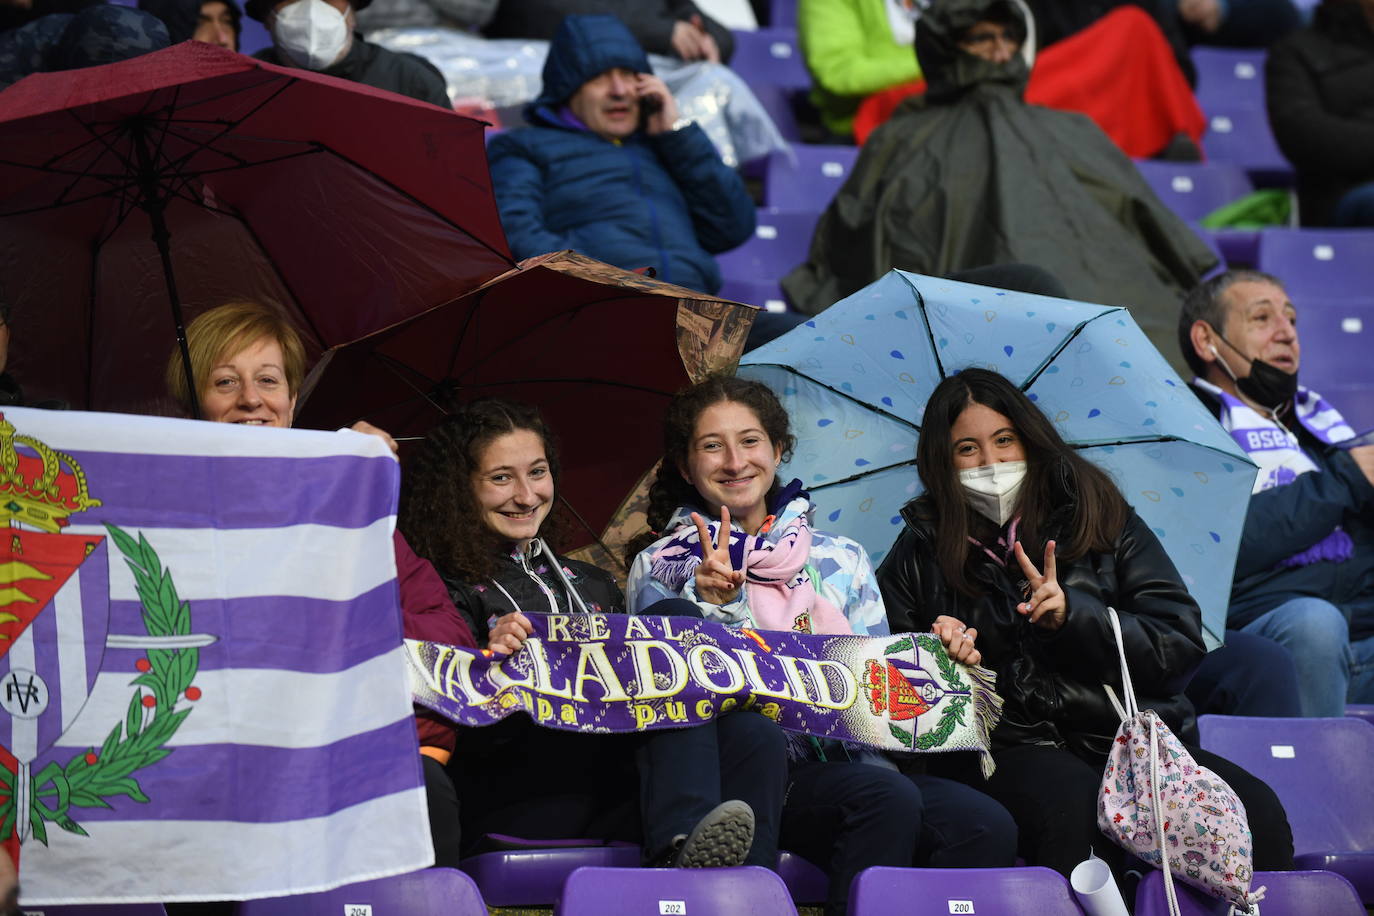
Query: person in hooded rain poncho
{"x": 969, "y": 175}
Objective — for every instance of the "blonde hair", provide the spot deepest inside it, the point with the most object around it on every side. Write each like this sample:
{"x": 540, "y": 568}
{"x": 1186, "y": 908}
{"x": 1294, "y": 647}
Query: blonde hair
{"x": 225, "y": 330}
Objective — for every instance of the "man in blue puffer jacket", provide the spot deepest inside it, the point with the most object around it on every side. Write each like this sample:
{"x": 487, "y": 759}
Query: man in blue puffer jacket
{"x": 607, "y": 170}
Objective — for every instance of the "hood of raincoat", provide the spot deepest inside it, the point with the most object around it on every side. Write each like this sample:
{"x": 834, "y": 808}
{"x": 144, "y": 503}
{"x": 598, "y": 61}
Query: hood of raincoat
{"x": 585, "y": 47}
{"x": 182, "y": 16}
{"x": 951, "y": 71}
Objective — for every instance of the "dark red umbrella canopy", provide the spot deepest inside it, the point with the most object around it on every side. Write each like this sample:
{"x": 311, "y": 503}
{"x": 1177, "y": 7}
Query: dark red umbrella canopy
{"x": 598, "y": 349}
{"x": 350, "y": 207}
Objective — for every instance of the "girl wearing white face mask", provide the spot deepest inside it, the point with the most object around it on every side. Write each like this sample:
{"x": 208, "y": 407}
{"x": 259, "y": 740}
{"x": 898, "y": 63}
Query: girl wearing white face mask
{"x": 1026, "y": 543}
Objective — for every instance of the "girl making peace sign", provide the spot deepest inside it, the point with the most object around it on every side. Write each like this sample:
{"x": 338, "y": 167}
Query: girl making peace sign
{"x": 738, "y": 544}
{"x": 1022, "y": 539}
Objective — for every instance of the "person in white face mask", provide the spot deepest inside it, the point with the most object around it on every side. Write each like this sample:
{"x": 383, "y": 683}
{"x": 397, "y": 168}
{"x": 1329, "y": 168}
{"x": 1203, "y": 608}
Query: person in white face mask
{"x": 321, "y": 35}
{"x": 1021, "y": 541}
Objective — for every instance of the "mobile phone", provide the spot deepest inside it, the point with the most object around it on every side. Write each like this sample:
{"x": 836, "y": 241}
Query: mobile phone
{"x": 649, "y": 105}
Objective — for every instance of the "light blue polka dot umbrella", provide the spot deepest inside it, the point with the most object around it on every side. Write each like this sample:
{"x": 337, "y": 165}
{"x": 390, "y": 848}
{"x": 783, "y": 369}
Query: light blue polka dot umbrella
{"x": 855, "y": 380}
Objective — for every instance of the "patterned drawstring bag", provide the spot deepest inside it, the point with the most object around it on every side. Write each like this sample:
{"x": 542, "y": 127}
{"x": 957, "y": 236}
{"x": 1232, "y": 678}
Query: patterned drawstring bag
{"x": 1161, "y": 806}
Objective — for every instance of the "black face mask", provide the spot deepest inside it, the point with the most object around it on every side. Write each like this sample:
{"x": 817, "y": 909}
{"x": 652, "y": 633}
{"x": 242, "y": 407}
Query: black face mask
{"x": 1266, "y": 385}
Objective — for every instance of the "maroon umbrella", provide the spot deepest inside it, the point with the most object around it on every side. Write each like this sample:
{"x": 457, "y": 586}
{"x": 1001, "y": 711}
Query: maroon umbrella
{"x": 598, "y": 349}
{"x": 137, "y": 194}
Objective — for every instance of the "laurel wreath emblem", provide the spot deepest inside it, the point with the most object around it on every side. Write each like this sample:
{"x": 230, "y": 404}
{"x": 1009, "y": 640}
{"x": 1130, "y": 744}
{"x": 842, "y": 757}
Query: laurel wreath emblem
{"x": 92, "y": 776}
{"x": 953, "y": 715}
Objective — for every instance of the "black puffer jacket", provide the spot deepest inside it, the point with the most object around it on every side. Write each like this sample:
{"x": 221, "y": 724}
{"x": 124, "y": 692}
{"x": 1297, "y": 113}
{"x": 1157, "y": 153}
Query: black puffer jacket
{"x": 1320, "y": 87}
{"x": 1052, "y": 681}
{"x": 527, "y": 582}
{"x": 375, "y": 66}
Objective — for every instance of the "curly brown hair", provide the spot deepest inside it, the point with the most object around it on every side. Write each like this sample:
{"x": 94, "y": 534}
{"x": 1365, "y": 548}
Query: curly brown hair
{"x": 439, "y": 514}
{"x": 670, "y": 489}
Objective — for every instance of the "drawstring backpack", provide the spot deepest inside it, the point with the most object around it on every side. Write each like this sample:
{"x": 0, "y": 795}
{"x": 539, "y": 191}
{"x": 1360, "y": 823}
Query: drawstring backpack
{"x": 1161, "y": 806}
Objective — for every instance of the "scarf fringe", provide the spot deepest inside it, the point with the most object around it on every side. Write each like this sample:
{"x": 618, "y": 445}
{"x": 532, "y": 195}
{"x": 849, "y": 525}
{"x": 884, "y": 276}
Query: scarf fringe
{"x": 987, "y": 712}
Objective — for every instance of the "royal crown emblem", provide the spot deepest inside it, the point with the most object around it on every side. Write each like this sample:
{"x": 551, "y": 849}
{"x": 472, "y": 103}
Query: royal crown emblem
{"x": 34, "y": 489}
{"x": 54, "y": 620}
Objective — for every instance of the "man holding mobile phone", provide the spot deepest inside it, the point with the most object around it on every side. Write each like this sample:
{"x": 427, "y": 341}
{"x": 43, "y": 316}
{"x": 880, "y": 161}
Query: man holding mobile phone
{"x": 609, "y": 169}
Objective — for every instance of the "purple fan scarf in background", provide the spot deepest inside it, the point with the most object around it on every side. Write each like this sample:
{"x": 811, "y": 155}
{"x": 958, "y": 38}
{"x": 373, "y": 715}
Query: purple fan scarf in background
{"x": 615, "y": 673}
{"x": 204, "y": 693}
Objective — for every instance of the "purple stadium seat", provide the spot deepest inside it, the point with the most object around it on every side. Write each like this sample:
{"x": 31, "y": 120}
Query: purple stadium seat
{"x": 1286, "y": 893}
{"x": 1229, "y": 77}
{"x": 770, "y": 57}
{"x": 1324, "y": 264}
{"x": 1240, "y": 246}
{"x": 805, "y": 882}
{"x": 1211, "y": 242}
{"x": 431, "y": 892}
{"x": 940, "y": 891}
{"x": 765, "y": 294}
{"x": 534, "y": 877}
{"x": 109, "y": 909}
{"x": 748, "y": 891}
{"x": 1194, "y": 189}
{"x": 783, "y": 14}
{"x": 1242, "y": 136}
{"x": 807, "y": 177}
{"x": 781, "y": 240}
{"x": 1360, "y": 711}
{"x": 776, "y": 100}
{"x": 1318, "y": 768}
{"x": 1326, "y": 272}
{"x": 254, "y": 36}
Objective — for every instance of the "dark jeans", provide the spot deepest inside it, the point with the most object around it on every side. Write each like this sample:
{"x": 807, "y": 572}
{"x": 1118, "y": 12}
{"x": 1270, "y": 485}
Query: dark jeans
{"x": 846, "y": 817}
{"x": 1249, "y": 676}
{"x": 1052, "y": 795}
{"x": 442, "y": 800}
{"x": 685, "y": 772}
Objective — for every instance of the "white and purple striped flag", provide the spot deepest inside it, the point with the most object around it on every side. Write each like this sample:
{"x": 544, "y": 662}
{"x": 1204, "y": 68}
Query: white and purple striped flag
{"x": 203, "y": 690}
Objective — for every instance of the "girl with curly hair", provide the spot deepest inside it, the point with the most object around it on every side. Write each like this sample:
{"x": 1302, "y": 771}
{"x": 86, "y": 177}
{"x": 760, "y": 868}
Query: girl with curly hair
{"x": 737, "y": 543}
{"x": 476, "y": 501}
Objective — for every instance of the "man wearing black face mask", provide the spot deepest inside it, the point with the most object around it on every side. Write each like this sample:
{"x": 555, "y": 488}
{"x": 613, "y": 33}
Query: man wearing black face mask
{"x": 1304, "y": 574}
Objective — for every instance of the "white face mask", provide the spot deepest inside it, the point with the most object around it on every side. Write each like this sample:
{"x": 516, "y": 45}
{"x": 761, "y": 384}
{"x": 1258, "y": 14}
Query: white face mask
{"x": 313, "y": 34}
{"x": 993, "y": 488}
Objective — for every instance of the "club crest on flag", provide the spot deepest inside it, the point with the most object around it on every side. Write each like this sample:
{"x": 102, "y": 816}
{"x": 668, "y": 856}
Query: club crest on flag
{"x": 901, "y": 687}
{"x": 54, "y": 630}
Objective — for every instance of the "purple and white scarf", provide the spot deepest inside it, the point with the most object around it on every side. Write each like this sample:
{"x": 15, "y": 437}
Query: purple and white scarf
{"x": 1275, "y": 449}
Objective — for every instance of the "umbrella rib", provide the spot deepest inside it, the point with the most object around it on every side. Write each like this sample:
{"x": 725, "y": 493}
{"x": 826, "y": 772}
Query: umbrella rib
{"x": 862, "y": 474}
{"x": 395, "y": 365}
{"x": 1068, "y": 339}
{"x": 1157, "y": 440}
{"x": 252, "y": 233}
{"x": 227, "y": 126}
{"x": 619, "y": 561}
{"x": 419, "y": 203}
{"x": 930, "y": 334}
{"x": 127, "y": 205}
{"x": 461, "y": 337}
{"x": 843, "y": 394}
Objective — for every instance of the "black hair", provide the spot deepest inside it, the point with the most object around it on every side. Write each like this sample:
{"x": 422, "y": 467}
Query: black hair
{"x": 1055, "y": 475}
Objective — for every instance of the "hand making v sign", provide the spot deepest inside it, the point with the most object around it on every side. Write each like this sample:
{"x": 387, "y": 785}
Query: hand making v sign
{"x": 717, "y": 580}
{"x": 1045, "y": 603}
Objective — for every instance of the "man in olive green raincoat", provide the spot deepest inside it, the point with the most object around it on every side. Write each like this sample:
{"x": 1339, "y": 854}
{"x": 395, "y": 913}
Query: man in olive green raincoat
{"x": 969, "y": 174}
